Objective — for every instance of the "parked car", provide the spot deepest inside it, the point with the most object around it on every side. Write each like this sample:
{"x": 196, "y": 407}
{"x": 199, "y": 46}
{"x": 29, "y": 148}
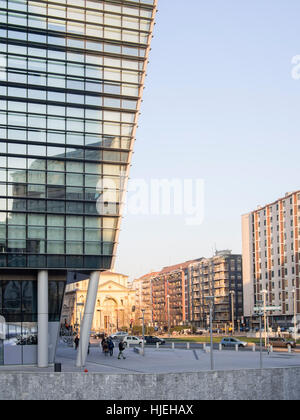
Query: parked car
{"x": 232, "y": 342}
{"x": 282, "y": 342}
{"x": 119, "y": 335}
{"x": 150, "y": 339}
{"x": 200, "y": 331}
{"x": 131, "y": 339}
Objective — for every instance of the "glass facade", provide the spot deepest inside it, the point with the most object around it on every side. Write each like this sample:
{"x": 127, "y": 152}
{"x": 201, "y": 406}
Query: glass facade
{"x": 71, "y": 79}
{"x": 19, "y": 317}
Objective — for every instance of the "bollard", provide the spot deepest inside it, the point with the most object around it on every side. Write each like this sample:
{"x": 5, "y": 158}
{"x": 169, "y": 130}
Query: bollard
{"x": 157, "y": 345}
{"x": 188, "y": 346}
{"x": 271, "y": 349}
{"x": 220, "y": 347}
{"x": 173, "y": 346}
{"x": 204, "y": 346}
{"x": 236, "y": 347}
{"x": 57, "y": 367}
{"x": 289, "y": 348}
{"x": 254, "y": 347}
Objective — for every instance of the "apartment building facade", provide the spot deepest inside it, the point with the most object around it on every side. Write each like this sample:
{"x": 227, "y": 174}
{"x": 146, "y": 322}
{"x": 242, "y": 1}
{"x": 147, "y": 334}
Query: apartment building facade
{"x": 221, "y": 277}
{"x": 177, "y": 294}
{"x": 143, "y": 298}
{"x": 271, "y": 259}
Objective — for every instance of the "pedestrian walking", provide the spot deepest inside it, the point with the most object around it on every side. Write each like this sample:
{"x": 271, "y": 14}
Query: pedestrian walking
{"x": 105, "y": 348}
{"x": 121, "y": 349}
{"x": 102, "y": 343}
{"x": 111, "y": 347}
{"x": 89, "y": 348}
{"x": 76, "y": 342}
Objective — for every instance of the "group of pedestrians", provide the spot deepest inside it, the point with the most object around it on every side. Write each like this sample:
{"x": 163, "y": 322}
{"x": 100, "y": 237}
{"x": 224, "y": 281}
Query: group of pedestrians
{"x": 107, "y": 346}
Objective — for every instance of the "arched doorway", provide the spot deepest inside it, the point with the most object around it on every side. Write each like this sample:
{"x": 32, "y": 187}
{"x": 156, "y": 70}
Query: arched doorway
{"x": 110, "y": 315}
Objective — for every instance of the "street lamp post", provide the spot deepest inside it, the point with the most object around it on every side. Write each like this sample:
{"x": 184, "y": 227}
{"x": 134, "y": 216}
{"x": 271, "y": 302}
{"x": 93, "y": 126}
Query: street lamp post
{"x": 211, "y": 300}
{"x": 143, "y": 332}
{"x": 80, "y": 340}
{"x": 260, "y": 311}
{"x": 232, "y": 293}
{"x": 169, "y": 329}
{"x": 265, "y": 317}
{"x": 295, "y": 314}
{"x": 260, "y": 341}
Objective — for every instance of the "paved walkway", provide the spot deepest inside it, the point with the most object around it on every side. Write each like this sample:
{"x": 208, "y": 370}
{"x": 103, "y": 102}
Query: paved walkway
{"x": 164, "y": 361}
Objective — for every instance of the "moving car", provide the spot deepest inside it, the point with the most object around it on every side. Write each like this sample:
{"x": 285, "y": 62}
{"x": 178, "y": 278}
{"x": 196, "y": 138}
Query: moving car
{"x": 150, "y": 339}
{"x": 132, "y": 340}
{"x": 281, "y": 342}
{"x": 232, "y": 342}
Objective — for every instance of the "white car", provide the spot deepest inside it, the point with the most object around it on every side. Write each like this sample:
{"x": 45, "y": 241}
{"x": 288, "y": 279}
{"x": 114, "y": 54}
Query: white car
{"x": 119, "y": 335}
{"x": 132, "y": 340}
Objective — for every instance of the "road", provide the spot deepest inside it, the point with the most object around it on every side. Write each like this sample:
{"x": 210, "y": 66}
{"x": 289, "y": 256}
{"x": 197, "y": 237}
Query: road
{"x": 200, "y": 346}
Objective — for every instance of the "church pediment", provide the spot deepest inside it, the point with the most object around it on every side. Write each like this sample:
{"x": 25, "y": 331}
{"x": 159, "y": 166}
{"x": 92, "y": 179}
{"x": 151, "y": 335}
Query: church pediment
{"x": 112, "y": 286}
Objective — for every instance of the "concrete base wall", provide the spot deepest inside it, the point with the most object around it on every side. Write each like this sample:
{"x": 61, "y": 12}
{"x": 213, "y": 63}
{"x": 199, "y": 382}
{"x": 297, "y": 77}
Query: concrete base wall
{"x": 268, "y": 384}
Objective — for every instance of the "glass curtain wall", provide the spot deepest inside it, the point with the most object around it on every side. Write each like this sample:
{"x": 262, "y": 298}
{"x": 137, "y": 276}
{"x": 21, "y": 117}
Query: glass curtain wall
{"x": 71, "y": 75}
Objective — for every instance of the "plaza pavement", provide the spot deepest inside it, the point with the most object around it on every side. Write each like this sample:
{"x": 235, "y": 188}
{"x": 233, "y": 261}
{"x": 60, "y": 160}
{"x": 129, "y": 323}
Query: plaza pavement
{"x": 164, "y": 361}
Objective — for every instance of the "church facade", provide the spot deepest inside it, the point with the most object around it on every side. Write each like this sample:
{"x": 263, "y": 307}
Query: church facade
{"x": 114, "y": 305}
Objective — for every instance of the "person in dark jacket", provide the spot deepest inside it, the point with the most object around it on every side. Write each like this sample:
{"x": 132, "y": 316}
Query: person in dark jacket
{"x": 76, "y": 341}
{"x": 121, "y": 349}
{"x": 105, "y": 348}
{"x": 111, "y": 347}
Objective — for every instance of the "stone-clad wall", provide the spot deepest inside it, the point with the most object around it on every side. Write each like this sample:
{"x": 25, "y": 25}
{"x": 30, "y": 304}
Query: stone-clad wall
{"x": 269, "y": 384}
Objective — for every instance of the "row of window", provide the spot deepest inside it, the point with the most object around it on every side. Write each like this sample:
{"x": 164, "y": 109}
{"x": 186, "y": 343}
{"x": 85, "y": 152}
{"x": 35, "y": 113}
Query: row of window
{"x": 19, "y": 219}
{"x": 11, "y": 233}
{"x": 40, "y": 79}
{"x": 75, "y": 6}
{"x": 59, "y": 193}
{"x": 79, "y": 127}
{"x": 36, "y": 177}
{"x": 95, "y": 12}
{"x": 90, "y": 68}
{"x": 73, "y": 114}
{"x": 111, "y": 173}
{"x": 41, "y": 150}
{"x": 83, "y": 30}
{"x": 96, "y": 31}
{"x": 90, "y": 142}
{"x": 55, "y": 261}
{"x": 60, "y": 207}
{"x": 36, "y": 246}
{"x": 70, "y": 98}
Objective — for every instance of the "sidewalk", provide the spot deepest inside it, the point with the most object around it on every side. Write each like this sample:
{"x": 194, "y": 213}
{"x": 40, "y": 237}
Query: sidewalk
{"x": 163, "y": 361}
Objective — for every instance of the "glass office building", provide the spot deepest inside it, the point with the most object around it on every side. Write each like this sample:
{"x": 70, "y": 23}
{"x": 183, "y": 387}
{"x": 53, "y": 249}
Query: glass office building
{"x": 71, "y": 80}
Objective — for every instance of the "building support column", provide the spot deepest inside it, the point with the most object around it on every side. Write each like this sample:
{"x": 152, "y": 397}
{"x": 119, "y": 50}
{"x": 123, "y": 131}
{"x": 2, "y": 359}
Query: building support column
{"x": 89, "y": 310}
{"x": 42, "y": 353}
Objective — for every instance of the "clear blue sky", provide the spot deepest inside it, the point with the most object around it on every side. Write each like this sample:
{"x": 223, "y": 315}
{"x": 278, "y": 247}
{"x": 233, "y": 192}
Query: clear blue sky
{"x": 220, "y": 104}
